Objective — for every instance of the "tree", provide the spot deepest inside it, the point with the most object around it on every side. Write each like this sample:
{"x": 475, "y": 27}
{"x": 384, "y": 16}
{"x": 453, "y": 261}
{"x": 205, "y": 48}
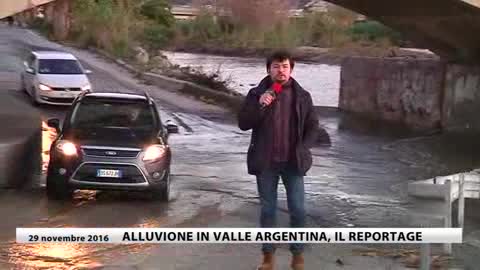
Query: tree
{"x": 256, "y": 13}
{"x": 342, "y": 16}
{"x": 159, "y": 29}
{"x": 158, "y": 11}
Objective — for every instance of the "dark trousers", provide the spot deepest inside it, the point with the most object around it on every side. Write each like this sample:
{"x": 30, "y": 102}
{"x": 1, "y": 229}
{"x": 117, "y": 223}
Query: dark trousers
{"x": 267, "y": 184}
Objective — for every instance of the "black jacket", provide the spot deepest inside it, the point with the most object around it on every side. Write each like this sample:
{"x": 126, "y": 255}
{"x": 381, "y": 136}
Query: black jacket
{"x": 252, "y": 116}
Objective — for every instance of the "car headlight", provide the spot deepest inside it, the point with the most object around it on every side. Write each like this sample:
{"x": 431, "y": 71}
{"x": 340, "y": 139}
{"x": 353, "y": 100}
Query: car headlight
{"x": 44, "y": 87}
{"x": 67, "y": 148}
{"x": 86, "y": 87}
{"x": 154, "y": 152}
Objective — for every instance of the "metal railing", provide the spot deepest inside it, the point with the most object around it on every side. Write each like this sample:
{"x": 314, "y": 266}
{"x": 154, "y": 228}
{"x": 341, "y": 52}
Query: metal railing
{"x": 448, "y": 189}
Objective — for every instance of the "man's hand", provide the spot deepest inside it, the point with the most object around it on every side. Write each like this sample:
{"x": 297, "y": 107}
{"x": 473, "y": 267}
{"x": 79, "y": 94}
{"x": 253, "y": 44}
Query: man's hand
{"x": 266, "y": 99}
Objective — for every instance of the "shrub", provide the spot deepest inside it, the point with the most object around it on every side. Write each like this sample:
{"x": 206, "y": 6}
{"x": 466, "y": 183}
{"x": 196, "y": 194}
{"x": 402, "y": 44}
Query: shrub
{"x": 42, "y": 26}
{"x": 373, "y": 31}
{"x": 157, "y": 36}
{"x": 158, "y": 11}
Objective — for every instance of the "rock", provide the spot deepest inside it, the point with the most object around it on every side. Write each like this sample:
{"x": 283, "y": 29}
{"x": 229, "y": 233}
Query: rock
{"x": 160, "y": 61}
{"x": 141, "y": 55}
{"x": 323, "y": 137}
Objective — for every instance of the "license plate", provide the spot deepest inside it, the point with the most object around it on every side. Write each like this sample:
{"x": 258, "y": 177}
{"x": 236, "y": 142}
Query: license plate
{"x": 66, "y": 95}
{"x": 109, "y": 173}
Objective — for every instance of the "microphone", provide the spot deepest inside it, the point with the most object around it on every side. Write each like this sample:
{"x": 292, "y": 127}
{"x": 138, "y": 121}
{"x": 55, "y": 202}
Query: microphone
{"x": 277, "y": 88}
{"x": 274, "y": 91}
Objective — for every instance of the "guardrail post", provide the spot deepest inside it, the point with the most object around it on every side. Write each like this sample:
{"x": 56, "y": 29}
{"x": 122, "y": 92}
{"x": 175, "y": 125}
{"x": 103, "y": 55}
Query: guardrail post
{"x": 461, "y": 200}
{"x": 425, "y": 256}
{"x": 447, "y": 248}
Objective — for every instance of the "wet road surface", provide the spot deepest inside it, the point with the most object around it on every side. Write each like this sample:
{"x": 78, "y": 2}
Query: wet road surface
{"x": 360, "y": 180}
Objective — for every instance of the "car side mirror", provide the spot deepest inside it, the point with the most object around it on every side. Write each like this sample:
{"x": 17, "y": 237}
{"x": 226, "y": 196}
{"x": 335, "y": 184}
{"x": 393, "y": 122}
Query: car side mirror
{"x": 172, "y": 128}
{"x": 54, "y": 123}
{"x": 28, "y": 69}
{"x": 88, "y": 71}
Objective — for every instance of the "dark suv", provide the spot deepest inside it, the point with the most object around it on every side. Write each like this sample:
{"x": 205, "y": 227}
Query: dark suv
{"x": 110, "y": 141}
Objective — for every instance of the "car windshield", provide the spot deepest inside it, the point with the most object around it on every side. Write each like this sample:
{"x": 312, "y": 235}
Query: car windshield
{"x": 59, "y": 66}
{"x": 113, "y": 115}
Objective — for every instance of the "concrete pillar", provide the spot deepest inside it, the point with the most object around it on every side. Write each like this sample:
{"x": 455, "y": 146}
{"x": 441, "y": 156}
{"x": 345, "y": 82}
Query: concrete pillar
{"x": 21, "y": 19}
{"x": 20, "y": 144}
{"x": 425, "y": 251}
{"x": 447, "y": 248}
{"x": 29, "y": 15}
{"x": 49, "y": 12}
{"x": 461, "y": 104}
{"x": 61, "y": 19}
{"x": 399, "y": 90}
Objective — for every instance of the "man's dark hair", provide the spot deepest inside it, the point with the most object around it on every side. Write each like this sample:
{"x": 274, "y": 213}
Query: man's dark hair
{"x": 280, "y": 55}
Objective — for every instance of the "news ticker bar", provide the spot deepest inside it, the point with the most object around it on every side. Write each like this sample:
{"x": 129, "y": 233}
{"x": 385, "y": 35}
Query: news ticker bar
{"x": 239, "y": 235}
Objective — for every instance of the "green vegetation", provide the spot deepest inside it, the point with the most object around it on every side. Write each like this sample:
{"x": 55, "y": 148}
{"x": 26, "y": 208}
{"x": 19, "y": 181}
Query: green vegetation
{"x": 159, "y": 27}
{"x": 335, "y": 28}
{"x": 373, "y": 31}
{"x": 44, "y": 27}
{"x": 117, "y": 26}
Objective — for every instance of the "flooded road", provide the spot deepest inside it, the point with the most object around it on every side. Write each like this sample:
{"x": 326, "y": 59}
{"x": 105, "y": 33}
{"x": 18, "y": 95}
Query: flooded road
{"x": 360, "y": 180}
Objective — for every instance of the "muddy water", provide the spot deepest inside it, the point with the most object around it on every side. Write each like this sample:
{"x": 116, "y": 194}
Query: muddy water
{"x": 242, "y": 73}
{"x": 360, "y": 180}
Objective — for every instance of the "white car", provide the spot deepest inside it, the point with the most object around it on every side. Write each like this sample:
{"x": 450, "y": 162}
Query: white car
{"x": 55, "y": 78}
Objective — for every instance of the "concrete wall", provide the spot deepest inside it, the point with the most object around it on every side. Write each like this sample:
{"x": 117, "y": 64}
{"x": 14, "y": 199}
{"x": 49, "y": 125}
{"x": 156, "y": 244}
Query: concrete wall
{"x": 462, "y": 98}
{"x": 393, "y": 89}
{"x": 20, "y": 136}
{"x": 56, "y": 12}
{"x": 20, "y": 142}
{"x": 61, "y": 19}
{"x": 232, "y": 100}
{"x": 423, "y": 94}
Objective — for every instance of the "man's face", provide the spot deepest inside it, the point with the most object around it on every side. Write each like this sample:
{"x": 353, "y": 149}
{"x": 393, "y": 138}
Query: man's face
{"x": 280, "y": 71}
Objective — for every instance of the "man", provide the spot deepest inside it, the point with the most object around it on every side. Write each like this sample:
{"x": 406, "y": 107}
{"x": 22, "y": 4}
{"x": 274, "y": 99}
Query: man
{"x": 284, "y": 126}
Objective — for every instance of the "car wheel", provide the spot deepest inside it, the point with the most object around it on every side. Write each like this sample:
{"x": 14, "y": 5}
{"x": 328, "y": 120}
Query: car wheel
{"x": 23, "y": 86}
{"x": 57, "y": 189}
{"x": 162, "y": 192}
{"x": 33, "y": 98}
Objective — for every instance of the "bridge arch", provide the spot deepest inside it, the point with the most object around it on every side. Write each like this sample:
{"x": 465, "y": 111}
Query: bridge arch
{"x": 450, "y": 28}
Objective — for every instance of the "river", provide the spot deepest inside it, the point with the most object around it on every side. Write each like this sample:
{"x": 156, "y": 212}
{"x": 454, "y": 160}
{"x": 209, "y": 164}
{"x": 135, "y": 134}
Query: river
{"x": 322, "y": 81}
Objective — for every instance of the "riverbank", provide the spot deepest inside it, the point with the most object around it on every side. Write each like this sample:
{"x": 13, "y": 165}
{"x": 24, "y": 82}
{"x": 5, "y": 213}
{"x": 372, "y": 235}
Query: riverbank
{"x": 332, "y": 56}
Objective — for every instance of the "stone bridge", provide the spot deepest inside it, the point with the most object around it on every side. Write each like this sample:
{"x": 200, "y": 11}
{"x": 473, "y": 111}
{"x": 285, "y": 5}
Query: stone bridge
{"x": 56, "y": 12}
{"x": 447, "y": 27}
{"x": 10, "y": 7}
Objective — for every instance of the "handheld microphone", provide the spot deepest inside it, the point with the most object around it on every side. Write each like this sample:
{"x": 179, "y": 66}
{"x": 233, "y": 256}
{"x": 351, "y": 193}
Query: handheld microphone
{"x": 274, "y": 91}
